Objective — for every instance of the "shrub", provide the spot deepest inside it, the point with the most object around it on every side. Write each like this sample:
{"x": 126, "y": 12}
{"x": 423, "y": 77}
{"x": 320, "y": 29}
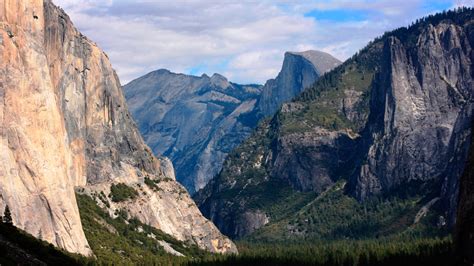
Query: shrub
{"x": 121, "y": 192}
{"x": 151, "y": 184}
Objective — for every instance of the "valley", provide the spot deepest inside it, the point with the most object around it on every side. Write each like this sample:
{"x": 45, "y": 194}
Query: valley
{"x": 362, "y": 162}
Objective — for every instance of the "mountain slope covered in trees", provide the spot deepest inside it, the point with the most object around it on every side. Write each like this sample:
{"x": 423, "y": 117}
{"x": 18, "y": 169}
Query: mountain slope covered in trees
{"x": 373, "y": 148}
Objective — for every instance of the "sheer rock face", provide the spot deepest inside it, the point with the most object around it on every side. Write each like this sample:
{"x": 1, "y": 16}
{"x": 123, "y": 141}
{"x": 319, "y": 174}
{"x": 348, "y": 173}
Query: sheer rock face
{"x": 65, "y": 124}
{"x": 299, "y": 71}
{"x": 421, "y": 111}
{"x": 193, "y": 120}
{"x": 312, "y": 161}
{"x": 37, "y": 158}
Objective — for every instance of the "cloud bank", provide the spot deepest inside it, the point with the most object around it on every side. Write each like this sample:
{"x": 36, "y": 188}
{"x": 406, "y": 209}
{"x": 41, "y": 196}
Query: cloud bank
{"x": 243, "y": 40}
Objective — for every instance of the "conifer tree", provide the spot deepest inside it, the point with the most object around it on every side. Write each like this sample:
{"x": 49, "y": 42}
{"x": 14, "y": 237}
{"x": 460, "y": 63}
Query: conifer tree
{"x": 7, "y": 216}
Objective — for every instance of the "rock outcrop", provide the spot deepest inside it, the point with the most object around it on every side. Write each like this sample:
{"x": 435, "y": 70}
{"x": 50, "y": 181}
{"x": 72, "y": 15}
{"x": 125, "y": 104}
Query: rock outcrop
{"x": 312, "y": 161}
{"x": 65, "y": 124}
{"x": 197, "y": 121}
{"x": 299, "y": 71}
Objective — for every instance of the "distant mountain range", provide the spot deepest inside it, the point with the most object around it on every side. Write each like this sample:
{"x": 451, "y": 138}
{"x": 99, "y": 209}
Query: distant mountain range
{"x": 197, "y": 121}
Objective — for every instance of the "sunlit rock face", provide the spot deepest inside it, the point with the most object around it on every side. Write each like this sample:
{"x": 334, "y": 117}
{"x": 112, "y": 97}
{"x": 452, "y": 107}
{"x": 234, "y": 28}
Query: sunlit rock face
{"x": 65, "y": 124}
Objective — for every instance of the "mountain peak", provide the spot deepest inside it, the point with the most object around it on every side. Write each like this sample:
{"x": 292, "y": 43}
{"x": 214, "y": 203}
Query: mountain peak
{"x": 322, "y": 61}
{"x": 218, "y": 76}
{"x": 299, "y": 71}
{"x": 161, "y": 71}
{"x": 219, "y": 80}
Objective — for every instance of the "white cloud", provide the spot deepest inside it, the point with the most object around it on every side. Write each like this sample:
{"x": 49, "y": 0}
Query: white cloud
{"x": 244, "y": 40}
{"x": 255, "y": 65}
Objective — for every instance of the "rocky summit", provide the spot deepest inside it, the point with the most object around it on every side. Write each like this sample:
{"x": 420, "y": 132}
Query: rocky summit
{"x": 65, "y": 126}
{"x": 299, "y": 71}
{"x": 197, "y": 121}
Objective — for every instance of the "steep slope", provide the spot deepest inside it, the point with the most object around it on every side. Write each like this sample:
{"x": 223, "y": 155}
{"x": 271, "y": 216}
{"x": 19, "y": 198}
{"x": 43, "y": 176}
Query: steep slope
{"x": 195, "y": 121}
{"x": 383, "y": 125}
{"x": 299, "y": 71}
{"x": 65, "y": 124}
{"x": 124, "y": 240}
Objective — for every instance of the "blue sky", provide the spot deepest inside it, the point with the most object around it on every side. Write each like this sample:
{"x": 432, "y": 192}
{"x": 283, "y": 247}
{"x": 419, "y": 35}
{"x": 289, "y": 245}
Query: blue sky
{"x": 343, "y": 14}
{"x": 244, "y": 40}
{"x": 338, "y": 15}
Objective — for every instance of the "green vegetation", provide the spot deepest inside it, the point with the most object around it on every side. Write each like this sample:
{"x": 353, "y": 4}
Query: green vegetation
{"x": 255, "y": 191}
{"x": 152, "y": 184}
{"x": 7, "y": 216}
{"x": 121, "y": 192}
{"x": 370, "y": 252}
{"x": 125, "y": 241}
{"x": 433, "y": 251}
{"x": 245, "y": 156}
{"x": 276, "y": 198}
{"x": 15, "y": 243}
{"x": 336, "y": 216}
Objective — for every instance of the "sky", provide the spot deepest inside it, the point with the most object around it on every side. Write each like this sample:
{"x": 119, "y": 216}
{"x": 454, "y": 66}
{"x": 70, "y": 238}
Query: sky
{"x": 241, "y": 39}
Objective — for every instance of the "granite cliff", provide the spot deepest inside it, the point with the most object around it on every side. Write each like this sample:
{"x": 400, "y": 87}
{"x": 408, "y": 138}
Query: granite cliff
{"x": 65, "y": 126}
{"x": 421, "y": 110}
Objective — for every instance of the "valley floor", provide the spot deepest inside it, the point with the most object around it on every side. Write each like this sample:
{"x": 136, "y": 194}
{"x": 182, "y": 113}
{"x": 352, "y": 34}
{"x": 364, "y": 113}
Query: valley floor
{"x": 429, "y": 251}
{"x": 19, "y": 248}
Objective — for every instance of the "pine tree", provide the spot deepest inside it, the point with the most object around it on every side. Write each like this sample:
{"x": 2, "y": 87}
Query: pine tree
{"x": 7, "y": 216}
